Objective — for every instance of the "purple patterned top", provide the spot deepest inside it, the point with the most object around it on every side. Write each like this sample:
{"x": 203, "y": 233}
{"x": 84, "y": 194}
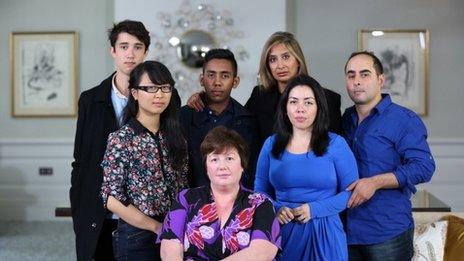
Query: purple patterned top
{"x": 193, "y": 221}
{"x": 137, "y": 170}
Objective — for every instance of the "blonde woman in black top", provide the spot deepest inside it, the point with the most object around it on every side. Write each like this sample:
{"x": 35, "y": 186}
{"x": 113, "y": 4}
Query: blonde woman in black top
{"x": 281, "y": 60}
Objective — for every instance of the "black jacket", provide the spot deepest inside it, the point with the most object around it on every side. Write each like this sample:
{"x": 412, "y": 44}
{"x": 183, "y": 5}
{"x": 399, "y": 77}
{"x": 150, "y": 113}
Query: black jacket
{"x": 263, "y": 104}
{"x": 196, "y": 126}
{"x": 96, "y": 120}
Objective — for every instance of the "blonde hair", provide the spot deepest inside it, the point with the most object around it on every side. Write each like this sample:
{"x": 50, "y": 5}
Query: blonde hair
{"x": 286, "y": 38}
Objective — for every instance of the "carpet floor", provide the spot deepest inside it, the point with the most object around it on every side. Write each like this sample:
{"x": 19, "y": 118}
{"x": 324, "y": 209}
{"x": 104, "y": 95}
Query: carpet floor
{"x": 44, "y": 240}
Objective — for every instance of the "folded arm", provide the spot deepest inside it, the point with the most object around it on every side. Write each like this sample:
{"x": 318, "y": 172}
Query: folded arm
{"x": 347, "y": 173}
{"x": 417, "y": 165}
{"x": 133, "y": 216}
{"x": 259, "y": 249}
{"x": 262, "y": 183}
{"x": 417, "y": 161}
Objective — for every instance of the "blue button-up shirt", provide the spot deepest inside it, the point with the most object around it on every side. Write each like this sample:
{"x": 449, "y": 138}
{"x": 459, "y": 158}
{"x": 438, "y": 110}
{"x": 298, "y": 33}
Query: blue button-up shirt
{"x": 119, "y": 102}
{"x": 391, "y": 139}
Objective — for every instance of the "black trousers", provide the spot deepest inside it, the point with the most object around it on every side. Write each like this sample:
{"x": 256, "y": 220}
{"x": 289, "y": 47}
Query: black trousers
{"x": 104, "y": 250}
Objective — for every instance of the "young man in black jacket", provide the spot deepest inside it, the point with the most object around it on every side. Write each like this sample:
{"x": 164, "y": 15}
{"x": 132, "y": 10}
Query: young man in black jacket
{"x": 100, "y": 113}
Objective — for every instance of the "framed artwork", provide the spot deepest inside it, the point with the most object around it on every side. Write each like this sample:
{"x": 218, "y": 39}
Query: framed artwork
{"x": 404, "y": 55}
{"x": 43, "y": 67}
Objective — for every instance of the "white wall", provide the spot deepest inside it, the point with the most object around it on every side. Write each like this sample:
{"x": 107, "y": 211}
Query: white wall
{"x": 327, "y": 31}
{"x": 89, "y": 18}
{"x": 258, "y": 19}
{"x": 447, "y": 182}
{"x": 24, "y": 195}
{"x": 27, "y": 144}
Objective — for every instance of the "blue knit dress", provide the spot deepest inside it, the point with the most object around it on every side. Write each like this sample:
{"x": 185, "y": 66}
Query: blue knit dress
{"x": 294, "y": 179}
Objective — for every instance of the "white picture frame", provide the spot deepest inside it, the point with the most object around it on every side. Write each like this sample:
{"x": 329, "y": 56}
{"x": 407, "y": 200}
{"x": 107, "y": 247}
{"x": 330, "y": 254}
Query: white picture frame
{"x": 43, "y": 68}
{"x": 405, "y": 56}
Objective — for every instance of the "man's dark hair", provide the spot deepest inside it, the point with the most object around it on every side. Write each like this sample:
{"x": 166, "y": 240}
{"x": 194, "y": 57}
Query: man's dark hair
{"x": 221, "y": 54}
{"x": 377, "y": 64}
{"x": 134, "y": 28}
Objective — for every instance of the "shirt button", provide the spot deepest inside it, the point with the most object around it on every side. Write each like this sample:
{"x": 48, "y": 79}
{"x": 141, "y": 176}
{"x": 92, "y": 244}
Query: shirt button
{"x": 94, "y": 225}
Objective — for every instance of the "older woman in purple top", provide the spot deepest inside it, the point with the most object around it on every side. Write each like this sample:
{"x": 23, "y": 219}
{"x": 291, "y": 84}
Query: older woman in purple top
{"x": 222, "y": 220}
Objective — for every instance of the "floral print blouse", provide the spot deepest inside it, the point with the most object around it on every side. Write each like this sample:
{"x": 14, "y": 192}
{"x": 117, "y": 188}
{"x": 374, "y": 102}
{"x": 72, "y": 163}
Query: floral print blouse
{"x": 193, "y": 221}
{"x": 137, "y": 170}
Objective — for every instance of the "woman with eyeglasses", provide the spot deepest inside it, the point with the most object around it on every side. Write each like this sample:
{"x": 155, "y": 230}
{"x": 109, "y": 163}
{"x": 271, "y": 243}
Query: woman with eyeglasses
{"x": 145, "y": 163}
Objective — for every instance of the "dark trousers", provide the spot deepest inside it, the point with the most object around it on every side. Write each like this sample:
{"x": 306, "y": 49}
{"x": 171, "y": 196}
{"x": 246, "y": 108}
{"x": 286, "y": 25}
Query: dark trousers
{"x": 396, "y": 249}
{"x": 132, "y": 243}
{"x": 104, "y": 249}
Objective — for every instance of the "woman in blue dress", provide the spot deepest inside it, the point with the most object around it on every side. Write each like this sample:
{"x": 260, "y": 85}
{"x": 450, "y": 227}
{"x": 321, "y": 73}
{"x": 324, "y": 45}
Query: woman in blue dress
{"x": 305, "y": 169}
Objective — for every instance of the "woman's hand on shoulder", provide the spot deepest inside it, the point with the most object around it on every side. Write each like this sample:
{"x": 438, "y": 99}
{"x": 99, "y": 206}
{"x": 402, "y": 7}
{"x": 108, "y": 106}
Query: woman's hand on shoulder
{"x": 195, "y": 101}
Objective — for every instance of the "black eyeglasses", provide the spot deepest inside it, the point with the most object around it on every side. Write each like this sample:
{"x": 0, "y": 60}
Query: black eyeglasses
{"x": 166, "y": 88}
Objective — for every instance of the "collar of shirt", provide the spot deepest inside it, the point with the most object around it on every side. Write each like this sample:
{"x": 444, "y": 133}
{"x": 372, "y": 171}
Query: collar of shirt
{"x": 242, "y": 192}
{"x": 383, "y": 104}
{"x": 379, "y": 108}
{"x": 228, "y": 111}
{"x": 119, "y": 101}
{"x": 115, "y": 89}
{"x": 138, "y": 127}
{"x": 200, "y": 118}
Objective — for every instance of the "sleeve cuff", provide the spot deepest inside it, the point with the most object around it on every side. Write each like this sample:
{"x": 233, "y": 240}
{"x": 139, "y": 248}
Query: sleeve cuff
{"x": 314, "y": 209}
{"x": 401, "y": 178}
{"x": 277, "y": 206}
{"x": 124, "y": 200}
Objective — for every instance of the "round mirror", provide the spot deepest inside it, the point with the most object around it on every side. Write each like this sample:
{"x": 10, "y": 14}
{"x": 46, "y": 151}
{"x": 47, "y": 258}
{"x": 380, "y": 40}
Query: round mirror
{"x": 193, "y": 47}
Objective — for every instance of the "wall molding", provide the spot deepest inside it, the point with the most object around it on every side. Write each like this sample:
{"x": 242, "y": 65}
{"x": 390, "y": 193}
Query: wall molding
{"x": 447, "y": 147}
{"x": 24, "y": 195}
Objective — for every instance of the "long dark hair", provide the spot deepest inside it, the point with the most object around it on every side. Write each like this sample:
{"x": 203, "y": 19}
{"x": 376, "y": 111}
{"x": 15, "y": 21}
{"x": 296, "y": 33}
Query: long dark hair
{"x": 169, "y": 119}
{"x": 283, "y": 126}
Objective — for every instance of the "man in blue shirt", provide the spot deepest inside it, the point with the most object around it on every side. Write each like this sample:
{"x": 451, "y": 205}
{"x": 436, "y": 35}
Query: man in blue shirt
{"x": 219, "y": 77}
{"x": 391, "y": 150}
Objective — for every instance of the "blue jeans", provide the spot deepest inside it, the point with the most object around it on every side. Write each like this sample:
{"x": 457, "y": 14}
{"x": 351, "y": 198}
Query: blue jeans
{"x": 396, "y": 249}
{"x": 132, "y": 243}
